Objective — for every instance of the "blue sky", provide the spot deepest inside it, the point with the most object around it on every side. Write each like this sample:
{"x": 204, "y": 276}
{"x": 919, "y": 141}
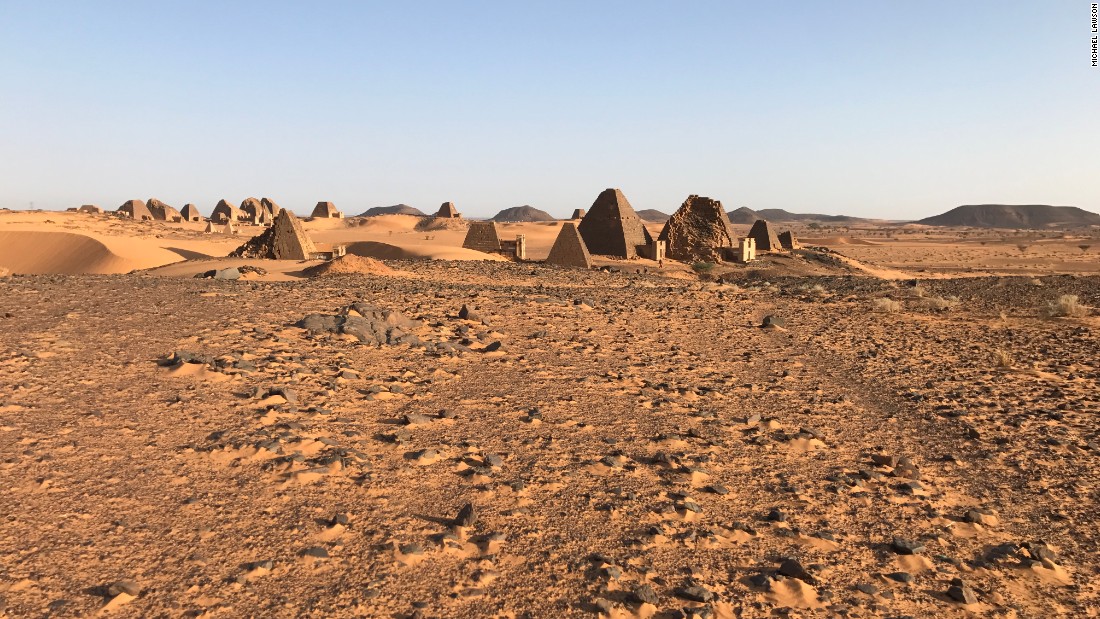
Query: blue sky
{"x": 881, "y": 109}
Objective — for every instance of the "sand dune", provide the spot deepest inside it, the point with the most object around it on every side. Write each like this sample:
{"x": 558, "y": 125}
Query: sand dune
{"x": 30, "y": 252}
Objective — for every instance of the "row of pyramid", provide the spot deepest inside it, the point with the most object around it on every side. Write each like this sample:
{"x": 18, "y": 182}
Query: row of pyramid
{"x": 699, "y": 230}
{"x": 258, "y": 211}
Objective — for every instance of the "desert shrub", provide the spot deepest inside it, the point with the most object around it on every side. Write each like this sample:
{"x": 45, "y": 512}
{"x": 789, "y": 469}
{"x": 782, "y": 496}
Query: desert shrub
{"x": 817, "y": 289}
{"x": 702, "y": 267}
{"x": 1002, "y": 359}
{"x": 1064, "y": 306}
{"x": 938, "y": 304}
{"x": 919, "y": 290}
{"x": 886, "y": 305}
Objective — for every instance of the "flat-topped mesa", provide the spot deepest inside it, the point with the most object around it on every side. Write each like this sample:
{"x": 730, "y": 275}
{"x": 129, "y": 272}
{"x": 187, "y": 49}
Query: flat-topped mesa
{"x": 285, "y": 240}
{"x": 163, "y": 212}
{"x": 226, "y": 212}
{"x": 787, "y": 240}
{"x": 448, "y": 211}
{"x": 191, "y": 212}
{"x": 698, "y": 231}
{"x": 326, "y": 210}
{"x": 482, "y": 236}
{"x": 612, "y": 228}
{"x": 135, "y": 209}
{"x": 569, "y": 249}
{"x": 765, "y": 237}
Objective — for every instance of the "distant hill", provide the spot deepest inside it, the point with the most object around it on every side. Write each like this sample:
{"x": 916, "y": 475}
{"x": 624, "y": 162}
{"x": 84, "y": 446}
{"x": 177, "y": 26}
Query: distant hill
{"x": 397, "y": 209}
{"x": 652, "y": 214}
{"x": 522, "y": 213}
{"x": 1013, "y": 216}
{"x": 743, "y": 215}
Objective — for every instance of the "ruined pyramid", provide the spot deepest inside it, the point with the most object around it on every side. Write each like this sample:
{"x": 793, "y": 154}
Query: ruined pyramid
{"x": 697, "y": 231}
{"x": 286, "y": 240}
{"x": 765, "y": 237}
{"x": 612, "y": 228}
{"x": 569, "y": 249}
{"x": 788, "y": 240}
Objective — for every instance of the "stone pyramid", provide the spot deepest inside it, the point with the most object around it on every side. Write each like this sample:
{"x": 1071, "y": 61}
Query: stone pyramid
{"x": 271, "y": 207}
{"x": 210, "y": 227}
{"x": 162, "y": 211}
{"x": 569, "y": 249}
{"x": 253, "y": 208}
{"x": 286, "y": 240}
{"x": 136, "y": 209}
{"x": 765, "y": 237}
{"x": 482, "y": 236}
{"x": 578, "y": 213}
{"x": 788, "y": 241}
{"x": 448, "y": 210}
{"x": 326, "y": 209}
{"x": 697, "y": 231}
{"x": 612, "y": 228}
{"x": 225, "y": 211}
{"x": 191, "y": 212}
{"x": 230, "y": 228}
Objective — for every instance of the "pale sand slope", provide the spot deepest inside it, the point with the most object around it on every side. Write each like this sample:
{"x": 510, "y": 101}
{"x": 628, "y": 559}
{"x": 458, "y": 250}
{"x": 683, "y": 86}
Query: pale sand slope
{"x": 75, "y": 243}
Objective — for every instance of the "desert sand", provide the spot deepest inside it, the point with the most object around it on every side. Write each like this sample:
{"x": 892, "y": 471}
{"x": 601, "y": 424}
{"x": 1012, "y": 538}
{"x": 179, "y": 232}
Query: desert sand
{"x": 422, "y": 430}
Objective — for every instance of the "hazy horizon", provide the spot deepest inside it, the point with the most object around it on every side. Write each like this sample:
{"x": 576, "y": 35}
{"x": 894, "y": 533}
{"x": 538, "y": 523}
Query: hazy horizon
{"x": 865, "y": 109}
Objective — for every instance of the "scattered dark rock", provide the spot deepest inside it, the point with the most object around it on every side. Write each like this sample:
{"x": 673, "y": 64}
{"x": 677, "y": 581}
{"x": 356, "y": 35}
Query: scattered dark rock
{"x": 467, "y": 516}
{"x": 644, "y": 594}
{"x": 695, "y": 593}
{"x": 773, "y": 321}
{"x": 793, "y": 568}
{"x": 963, "y": 594}
{"x": 906, "y": 547}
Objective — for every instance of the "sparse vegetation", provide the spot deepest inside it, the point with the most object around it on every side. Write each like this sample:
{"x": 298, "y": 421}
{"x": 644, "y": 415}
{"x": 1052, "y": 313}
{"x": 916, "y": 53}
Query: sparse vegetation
{"x": 1002, "y": 359}
{"x": 938, "y": 304}
{"x": 702, "y": 267}
{"x": 1065, "y": 306}
{"x": 886, "y": 305}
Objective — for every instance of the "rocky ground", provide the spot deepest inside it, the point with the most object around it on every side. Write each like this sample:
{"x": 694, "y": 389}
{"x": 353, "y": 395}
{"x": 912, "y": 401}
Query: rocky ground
{"x": 574, "y": 443}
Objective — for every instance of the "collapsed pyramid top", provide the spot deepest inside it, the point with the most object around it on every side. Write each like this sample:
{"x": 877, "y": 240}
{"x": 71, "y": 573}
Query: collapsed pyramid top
{"x": 696, "y": 230}
{"x": 162, "y": 211}
{"x": 136, "y": 209}
{"x": 612, "y": 228}
{"x": 286, "y": 240}
{"x": 225, "y": 211}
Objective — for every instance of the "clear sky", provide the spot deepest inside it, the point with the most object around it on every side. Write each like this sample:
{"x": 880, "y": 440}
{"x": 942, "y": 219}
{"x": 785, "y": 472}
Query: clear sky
{"x": 870, "y": 108}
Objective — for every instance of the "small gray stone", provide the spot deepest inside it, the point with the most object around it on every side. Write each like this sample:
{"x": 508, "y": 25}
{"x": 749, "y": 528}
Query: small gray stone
{"x": 645, "y": 594}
